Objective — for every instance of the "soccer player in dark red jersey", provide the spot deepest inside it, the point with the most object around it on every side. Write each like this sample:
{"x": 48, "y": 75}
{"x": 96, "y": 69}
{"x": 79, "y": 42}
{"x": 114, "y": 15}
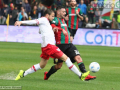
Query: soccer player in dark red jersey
{"x": 74, "y": 14}
{"x": 63, "y": 42}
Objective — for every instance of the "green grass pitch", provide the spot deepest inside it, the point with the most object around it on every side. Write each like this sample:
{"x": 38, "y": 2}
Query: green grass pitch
{"x": 16, "y": 56}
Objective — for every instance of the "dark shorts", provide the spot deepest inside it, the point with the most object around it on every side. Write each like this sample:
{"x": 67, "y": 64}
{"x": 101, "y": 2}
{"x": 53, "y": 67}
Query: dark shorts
{"x": 72, "y": 31}
{"x": 70, "y": 50}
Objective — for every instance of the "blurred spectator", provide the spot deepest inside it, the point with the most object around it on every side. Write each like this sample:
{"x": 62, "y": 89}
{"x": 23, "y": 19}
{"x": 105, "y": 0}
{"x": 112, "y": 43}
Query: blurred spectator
{"x": 97, "y": 14}
{"x": 87, "y": 2}
{"x": 2, "y": 18}
{"x": 118, "y": 19}
{"x": 6, "y": 10}
{"x": 90, "y": 10}
{"x": 58, "y": 3}
{"x": 67, "y": 4}
{"x": 85, "y": 22}
{"x": 100, "y": 3}
{"x": 77, "y": 1}
{"x": 82, "y": 7}
{"x": 100, "y": 23}
{"x": 11, "y": 7}
{"x": 114, "y": 24}
{"x": 22, "y": 15}
{"x": 54, "y": 7}
{"x": 11, "y": 21}
{"x": 34, "y": 13}
{"x": 27, "y": 7}
{"x": 41, "y": 10}
{"x": 1, "y": 3}
{"x": 6, "y": 1}
{"x": 34, "y": 3}
{"x": 88, "y": 24}
{"x": 97, "y": 25}
{"x": 106, "y": 24}
{"x": 10, "y": 1}
{"x": 15, "y": 13}
{"x": 19, "y": 4}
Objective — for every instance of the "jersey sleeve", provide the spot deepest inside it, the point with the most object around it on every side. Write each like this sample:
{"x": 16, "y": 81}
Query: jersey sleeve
{"x": 55, "y": 21}
{"x": 40, "y": 20}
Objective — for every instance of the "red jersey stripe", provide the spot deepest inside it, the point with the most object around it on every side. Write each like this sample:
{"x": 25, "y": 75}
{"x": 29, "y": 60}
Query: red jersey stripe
{"x": 72, "y": 18}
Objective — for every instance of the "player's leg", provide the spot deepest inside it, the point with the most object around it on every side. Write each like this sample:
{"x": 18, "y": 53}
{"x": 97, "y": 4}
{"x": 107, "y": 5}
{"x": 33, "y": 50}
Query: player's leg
{"x": 81, "y": 65}
{"x": 58, "y": 63}
{"x": 36, "y": 67}
{"x": 33, "y": 69}
{"x": 73, "y": 68}
{"x": 74, "y": 32}
{"x": 60, "y": 55}
{"x": 55, "y": 52}
{"x": 74, "y": 55}
{"x": 71, "y": 34}
{"x": 52, "y": 70}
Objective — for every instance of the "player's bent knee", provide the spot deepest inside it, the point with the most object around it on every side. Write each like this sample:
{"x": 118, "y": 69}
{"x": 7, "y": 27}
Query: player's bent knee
{"x": 64, "y": 57}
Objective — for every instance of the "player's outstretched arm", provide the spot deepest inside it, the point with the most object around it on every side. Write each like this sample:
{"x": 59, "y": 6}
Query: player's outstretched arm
{"x": 27, "y": 22}
{"x": 18, "y": 23}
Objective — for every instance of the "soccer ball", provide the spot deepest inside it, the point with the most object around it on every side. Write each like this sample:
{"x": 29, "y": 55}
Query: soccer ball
{"x": 94, "y": 67}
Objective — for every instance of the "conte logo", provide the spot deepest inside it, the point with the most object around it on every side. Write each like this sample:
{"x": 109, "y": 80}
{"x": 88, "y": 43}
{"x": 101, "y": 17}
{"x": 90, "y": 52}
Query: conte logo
{"x": 102, "y": 38}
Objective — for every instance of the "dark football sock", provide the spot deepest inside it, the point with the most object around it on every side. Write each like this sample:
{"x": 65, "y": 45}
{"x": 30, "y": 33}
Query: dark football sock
{"x": 51, "y": 71}
{"x": 82, "y": 67}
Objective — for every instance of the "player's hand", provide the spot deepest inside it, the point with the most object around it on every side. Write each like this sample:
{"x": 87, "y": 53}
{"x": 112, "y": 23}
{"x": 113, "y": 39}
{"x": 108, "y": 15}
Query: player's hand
{"x": 18, "y": 23}
{"x": 67, "y": 18}
{"x": 77, "y": 12}
{"x": 55, "y": 29}
{"x": 64, "y": 32}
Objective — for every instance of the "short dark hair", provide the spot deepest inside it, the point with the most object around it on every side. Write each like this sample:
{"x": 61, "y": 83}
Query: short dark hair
{"x": 59, "y": 7}
{"x": 48, "y": 11}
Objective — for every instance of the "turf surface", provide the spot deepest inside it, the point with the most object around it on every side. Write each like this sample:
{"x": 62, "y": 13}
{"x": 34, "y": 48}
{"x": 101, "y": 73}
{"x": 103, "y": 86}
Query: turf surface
{"x": 16, "y": 56}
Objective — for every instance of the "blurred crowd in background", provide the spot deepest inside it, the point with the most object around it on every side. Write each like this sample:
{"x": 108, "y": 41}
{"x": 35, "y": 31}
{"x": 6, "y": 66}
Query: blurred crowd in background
{"x": 20, "y": 10}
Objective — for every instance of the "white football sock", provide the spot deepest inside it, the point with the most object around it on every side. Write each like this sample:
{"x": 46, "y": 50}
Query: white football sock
{"x": 33, "y": 69}
{"x": 72, "y": 67}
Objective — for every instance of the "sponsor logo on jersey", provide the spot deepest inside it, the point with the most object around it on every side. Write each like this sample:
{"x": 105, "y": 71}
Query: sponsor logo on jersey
{"x": 63, "y": 24}
{"x": 72, "y": 14}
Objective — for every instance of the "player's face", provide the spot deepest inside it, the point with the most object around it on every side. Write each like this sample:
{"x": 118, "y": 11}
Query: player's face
{"x": 73, "y": 3}
{"x": 51, "y": 16}
{"x": 62, "y": 13}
